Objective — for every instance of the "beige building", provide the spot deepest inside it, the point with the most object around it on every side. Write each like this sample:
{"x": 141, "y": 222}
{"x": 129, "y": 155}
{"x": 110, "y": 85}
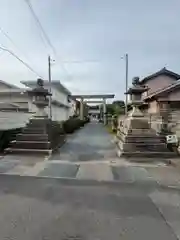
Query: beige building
{"x": 162, "y": 100}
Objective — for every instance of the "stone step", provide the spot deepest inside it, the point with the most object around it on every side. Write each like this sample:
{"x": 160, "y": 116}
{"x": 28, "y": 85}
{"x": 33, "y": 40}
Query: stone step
{"x": 39, "y": 120}
{"x": 30, "y": 144}
{"x": 148, "y": 154}
{"x": 149, "y": 140}
{"x": 34, "y": 130}
{"x": 32, "y": 137}
{"x": 28, "y": 151}
{"x": 145, "y": 147}
{"x": 141, "y": 139}
{"x": 34, "y": 125}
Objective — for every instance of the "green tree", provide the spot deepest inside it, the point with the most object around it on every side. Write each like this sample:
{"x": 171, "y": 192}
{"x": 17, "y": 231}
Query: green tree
{"x": 116, "y": 108}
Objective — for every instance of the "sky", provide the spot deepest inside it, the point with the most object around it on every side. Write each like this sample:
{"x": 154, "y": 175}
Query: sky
{"x": 90, "y": 38}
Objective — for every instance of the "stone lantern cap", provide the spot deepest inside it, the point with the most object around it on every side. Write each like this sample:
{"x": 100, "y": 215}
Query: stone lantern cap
{"x": 39, "y": 90}
{"x": 136, "y": 88}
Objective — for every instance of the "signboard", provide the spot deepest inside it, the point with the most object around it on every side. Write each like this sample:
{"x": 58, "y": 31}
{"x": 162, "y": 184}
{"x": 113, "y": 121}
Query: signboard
{"x": 171, "y": 139}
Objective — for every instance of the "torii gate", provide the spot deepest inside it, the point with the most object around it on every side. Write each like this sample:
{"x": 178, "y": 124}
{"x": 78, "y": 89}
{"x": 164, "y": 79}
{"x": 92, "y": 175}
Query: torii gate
{"x": 103, "y": 98}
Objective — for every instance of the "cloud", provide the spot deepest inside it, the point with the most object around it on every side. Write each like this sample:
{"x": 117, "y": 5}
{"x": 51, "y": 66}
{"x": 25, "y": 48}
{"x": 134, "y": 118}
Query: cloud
{"x": 85, "y": 30}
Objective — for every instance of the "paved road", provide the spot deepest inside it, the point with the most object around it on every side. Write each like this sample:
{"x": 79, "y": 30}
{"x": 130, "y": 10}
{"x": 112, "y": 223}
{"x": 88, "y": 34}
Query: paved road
{"x": 90, "y": 154}
{"x": 76, "y": 208}
{"x": 48, "y": 209}
{"x": 90, "y": 143}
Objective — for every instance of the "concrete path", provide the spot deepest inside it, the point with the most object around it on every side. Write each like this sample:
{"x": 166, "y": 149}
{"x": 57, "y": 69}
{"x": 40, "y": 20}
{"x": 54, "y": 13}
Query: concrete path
{"x": 91, "y": 143}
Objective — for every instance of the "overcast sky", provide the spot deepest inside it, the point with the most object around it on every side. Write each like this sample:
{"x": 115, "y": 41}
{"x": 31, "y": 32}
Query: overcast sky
{"x": 97, "y": 33}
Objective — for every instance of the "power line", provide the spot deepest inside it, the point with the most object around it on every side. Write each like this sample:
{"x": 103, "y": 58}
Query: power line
{"x": 44, "y": 33}
{"x": 11, "y": 40}
{"x": 20, "y": 60}
{"x": 40, "y": 25}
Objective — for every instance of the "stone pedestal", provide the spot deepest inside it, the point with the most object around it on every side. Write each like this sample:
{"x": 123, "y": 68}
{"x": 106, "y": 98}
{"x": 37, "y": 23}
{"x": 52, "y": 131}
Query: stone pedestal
{"x": 135, "y": 139}
{"x": 41, "y": 134}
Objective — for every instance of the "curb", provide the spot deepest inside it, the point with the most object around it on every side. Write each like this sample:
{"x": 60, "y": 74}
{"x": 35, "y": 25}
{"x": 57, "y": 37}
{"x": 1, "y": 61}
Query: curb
{"x": 90, "y": 182}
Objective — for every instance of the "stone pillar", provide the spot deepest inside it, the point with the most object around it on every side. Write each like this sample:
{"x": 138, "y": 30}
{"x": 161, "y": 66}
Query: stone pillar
{"x": 164, "y": 113}
{"x": 104, "y": 112}
{"x": 81, "y": 109}
{"x": 99, "y": 111}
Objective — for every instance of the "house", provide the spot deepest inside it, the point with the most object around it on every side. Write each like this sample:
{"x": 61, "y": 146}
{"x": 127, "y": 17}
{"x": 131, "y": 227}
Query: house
{"x": 15, "y": 99}
{"x": 162, "y": 100}
{"x": 163, "y": 89}
{"x": 12, "y": 98}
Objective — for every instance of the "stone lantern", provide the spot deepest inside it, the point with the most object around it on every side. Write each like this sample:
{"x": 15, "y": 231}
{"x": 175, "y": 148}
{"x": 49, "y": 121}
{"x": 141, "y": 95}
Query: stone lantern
{"x": 136, "y": 140}
{"x": 135, "y": 93}
{"x": 40, "y": 99}
{"x": 41, "y": 135}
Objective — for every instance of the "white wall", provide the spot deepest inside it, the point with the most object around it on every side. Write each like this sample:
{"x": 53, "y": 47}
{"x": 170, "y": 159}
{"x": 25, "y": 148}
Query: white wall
{"x": 59, "y": 96}
{"x": 21, "y": 100}
{"x": 59, "y": 114}
{"x": 72, "y": 109}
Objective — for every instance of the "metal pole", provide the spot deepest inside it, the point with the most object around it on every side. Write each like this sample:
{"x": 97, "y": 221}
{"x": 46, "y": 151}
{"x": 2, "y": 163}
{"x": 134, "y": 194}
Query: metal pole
{"x": 50, "y": 98}
{"x": 126, "y": 103}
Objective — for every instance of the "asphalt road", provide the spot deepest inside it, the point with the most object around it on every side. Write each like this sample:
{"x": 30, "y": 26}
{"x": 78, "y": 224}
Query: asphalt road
{"x": 48, "y": 209}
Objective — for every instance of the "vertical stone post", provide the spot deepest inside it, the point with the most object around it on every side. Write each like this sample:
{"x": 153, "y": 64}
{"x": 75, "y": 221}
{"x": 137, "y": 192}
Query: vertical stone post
{"x": 164, "y": 112}
{"x": 81, "y": 109}
{"x": 99, "y": 111}
{"x": 104, "y": 111}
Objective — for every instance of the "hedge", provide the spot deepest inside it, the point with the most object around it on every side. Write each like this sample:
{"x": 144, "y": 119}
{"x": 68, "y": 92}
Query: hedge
{"x": 73, "y": 124}
{"x": 6, "y": 136}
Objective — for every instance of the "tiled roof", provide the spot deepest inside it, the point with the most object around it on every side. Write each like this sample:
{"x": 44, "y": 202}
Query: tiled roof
{"x": 163, "y": 71}
{"x": 163, "y": 90}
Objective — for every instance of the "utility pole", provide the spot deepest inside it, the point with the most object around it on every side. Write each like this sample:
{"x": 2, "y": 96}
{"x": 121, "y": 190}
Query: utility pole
{"x": 126, "y": 59}
{"x": 50, "y": 97}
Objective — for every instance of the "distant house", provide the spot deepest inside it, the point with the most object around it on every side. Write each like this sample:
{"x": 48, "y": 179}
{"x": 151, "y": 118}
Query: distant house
{"x": 12, "y": 98}
{"x": 162, "y": 100}
{"x": 15, "y": 99}
{"x": 164, "y": 91}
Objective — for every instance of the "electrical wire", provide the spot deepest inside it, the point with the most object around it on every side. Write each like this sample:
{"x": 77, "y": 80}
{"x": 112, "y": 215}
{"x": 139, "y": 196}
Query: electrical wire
{"x": 45, "y": 35}
{"x": 39, "y": 25}
{"x": 11, "y": 40}
{"x": 20, "y": 60}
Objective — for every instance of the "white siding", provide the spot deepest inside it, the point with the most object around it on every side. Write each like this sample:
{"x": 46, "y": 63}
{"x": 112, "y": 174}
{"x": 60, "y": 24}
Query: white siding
{"x": 59, "y": 114}
{"x": 72, "y": 108}
{"x": 59, "y": 96}
{"x": 21, "y": 100}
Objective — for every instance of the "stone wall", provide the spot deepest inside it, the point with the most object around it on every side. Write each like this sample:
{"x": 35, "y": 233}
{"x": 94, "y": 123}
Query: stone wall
{"x": 174, "y": 121}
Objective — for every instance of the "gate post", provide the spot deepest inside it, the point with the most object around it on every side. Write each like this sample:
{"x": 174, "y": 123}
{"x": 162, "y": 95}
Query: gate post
{"x": 104, "y": 111}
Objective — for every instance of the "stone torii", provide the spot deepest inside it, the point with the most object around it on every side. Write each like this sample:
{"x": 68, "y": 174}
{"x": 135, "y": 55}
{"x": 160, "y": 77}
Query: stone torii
{"x": 84, "y": 98}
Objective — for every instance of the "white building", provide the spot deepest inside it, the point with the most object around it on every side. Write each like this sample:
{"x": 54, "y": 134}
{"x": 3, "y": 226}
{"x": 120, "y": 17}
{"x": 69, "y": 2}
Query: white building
{"x": 13, "y": 98}
{"x": 62, "y": 104}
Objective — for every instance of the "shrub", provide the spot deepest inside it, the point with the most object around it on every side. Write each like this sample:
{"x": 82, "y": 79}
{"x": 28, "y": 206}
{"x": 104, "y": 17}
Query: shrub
{"x": 72, "y": 124}
{"x": 6, "y": 136}
{"x": 56, "y": 134}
